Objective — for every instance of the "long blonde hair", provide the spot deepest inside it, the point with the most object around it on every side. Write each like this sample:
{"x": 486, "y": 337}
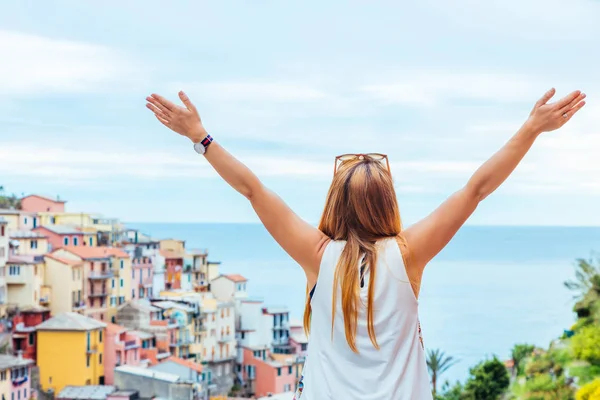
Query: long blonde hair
{"x": 361, "y": 208}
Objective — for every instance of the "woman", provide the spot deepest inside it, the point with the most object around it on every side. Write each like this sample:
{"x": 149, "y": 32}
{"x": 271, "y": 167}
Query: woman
{"x": 363, "y": 270}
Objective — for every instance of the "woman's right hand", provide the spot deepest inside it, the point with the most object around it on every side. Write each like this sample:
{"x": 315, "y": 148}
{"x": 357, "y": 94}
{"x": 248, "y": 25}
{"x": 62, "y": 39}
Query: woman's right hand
{"x": 183, "y": 120}
{"x": 546, "y": 117}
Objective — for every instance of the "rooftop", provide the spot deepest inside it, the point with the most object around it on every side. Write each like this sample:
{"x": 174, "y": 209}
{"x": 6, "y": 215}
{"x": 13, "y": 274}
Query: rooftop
{"x": 57, "y": 200}
{"x": 95, "y": 392}
{"x": 299, "y": 338}
{"x": 22, "y": 234}
{"x": 141, "y": 304}
{"x": 9, "y": 211}
{"x": 70, "y": 321}
{"x": 186, "y": 363}
{"x": 8, "y": 361}
{"x": 114, "y": 328}
{"x": 62, "y": 260}
{"x": 167, "y": 305}
{"x": 171, "y": 254}
{"x": 62, "y": 229}
{"x": 275, "y": 310}
{"x": 235, "y": 278}
{"x": 87, "y": 252}
{"x": 148, "y": 373}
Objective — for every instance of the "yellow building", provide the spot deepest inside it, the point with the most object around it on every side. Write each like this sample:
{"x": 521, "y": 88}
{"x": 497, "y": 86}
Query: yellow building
{"x": 64, "y": 284}
{"x": 64, "y": 218}
{"x": 106, "y": 278}
{"x": 184, "y": 316}
{"x": 173, "y": 245}
{"x": 24, "y": 281}
{"x": 70, "y": 351}
{"x": 29, "y": 243}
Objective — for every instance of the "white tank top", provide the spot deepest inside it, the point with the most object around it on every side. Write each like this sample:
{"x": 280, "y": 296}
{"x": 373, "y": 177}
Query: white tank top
{"x": 398, "y": 370}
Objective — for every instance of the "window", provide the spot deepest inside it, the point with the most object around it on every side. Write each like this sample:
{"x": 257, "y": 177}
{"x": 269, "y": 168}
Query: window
{"x": 100, "y": 358}
{"x": 75, "y": 241}
{"x": 91, "y": 241}
{"x": 87, "y": 361}
{"x": 122, "y": 264}
{"x": 278, "y": 371}
{"x": 287, "y": 388}
{"x": 141, "y": 292}
{"x": 113, "y": 301}
{"x": 303, "y": 346}
{"x": 100, "y": 336}
{"x": 112, "y": 283}
{"x": 88, "y": 341}
{"x": 66, "y": 241}
{"x": 25, "y": 393}
{"x": 133, "y": 293}
{"x": 25, "y": 220}
{"x": 290, "y": 370}
{"x": 2, "y": 231}
{"x": 3, "y": 376}
{"x": 31, "y": 339}
{"x": 33, "y": 244}
{"x": 52, "y": 220}
{"x": 122, "y": 282}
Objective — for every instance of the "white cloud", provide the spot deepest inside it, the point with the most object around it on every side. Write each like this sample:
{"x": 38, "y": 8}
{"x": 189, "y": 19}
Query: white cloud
{"x": 256, "y": 91}
{"x": 430, "y": 88}
{"x": 34, "y": 65}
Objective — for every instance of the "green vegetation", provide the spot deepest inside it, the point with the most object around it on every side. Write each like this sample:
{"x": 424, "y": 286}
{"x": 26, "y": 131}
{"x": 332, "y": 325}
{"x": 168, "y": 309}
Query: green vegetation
{"x": 437, "y": 364}
{"x": 568, "y": 370}
{"x": 9, "y": 200}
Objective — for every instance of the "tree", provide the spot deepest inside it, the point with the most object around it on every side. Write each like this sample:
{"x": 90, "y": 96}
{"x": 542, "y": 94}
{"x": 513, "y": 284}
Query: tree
{"x": 519, "y": 353}
{"x": 454, "y": 392}
{"x": 438, "y": 363}
{"x": 487, "y": 380}
{"x": 586, "y": 344}
{"x": 590, "y": 391}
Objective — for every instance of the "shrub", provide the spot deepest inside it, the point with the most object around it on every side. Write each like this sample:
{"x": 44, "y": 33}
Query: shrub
{"x": 591, "y": 391}
{"x": 586, "y": 344}
{"x": 487, "y": 381}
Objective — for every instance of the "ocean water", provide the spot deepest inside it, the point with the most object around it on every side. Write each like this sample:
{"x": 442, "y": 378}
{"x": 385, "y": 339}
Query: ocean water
{"x": 490, "y": 288}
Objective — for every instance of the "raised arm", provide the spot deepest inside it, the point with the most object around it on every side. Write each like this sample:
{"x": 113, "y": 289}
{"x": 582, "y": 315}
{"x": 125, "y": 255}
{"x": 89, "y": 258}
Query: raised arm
{"x": 303, "y": 242}
{"x": 429, "y": 236}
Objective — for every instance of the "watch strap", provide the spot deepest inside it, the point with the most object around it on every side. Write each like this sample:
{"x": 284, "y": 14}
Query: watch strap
{"x": 206, "y": 141}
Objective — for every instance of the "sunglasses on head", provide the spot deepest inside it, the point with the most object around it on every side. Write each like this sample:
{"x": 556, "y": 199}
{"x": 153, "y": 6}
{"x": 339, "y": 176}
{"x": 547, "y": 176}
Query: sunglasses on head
{"x": 348, "y": 157}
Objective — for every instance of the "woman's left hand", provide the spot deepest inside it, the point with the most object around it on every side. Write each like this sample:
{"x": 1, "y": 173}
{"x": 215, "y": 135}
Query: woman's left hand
{"x": 546, "y": 117}
{"x": 183, "y": 120}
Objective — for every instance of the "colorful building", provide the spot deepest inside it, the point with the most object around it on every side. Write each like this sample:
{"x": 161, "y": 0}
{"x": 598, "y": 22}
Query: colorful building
{"x": 186, "y": 370}
{"x": 106, "y": 275}
{"x": 229, "y": 287}
{"x": 62, "y": 235}
{"x": 173, "y": 268}
{"x": 24, "y": 334}
{"x": 298, "y": 338}
{"x": 142, "y": 277}
{"x": 19, "y": 219}
{"x": 70, "y": 351}
{"x": 141, "y": 315}
{"x": 4, "y": 250}
{"x": 173, "y": 245}
{"x": 66, "y": 275}
{"x": 15, "y": 382}
{"x": 183, "y": 316}
{"x": 120, "y": 348}
{"x": 25, "y": 278}
{"x": 28, "y": 243}
{"x": 36, "y": 203}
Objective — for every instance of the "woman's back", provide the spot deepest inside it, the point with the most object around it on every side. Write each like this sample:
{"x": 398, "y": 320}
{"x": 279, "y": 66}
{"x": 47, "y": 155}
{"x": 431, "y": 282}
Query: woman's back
{"x": 398, "y": 369}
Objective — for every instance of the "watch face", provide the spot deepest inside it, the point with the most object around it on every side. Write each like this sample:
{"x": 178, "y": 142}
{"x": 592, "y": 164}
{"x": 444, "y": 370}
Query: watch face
{"x": 199, "y": 148}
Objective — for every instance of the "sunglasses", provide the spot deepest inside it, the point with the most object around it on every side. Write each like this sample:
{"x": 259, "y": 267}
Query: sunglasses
{"x": 348, "y": 157}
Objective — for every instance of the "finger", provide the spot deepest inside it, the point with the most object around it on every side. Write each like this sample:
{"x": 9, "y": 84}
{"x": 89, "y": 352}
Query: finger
{"x": 157, "y": 111}
{"x": 545, "y": 98}
{"x": 163, "y": 121}
{"x": 158, "y": 105}
{"x": 186, "y": 100}
{"x": 164, "y": 102}
{"x": 574, "y": 110}
{"x": 575, "y": 101}
{"x": 567, "y": 99}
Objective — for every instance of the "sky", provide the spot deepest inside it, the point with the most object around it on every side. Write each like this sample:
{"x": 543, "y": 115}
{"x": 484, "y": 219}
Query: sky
{"x": 438, "y": 86}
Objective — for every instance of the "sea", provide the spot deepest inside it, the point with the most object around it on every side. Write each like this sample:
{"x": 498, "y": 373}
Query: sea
{"x": 490, "y": 288}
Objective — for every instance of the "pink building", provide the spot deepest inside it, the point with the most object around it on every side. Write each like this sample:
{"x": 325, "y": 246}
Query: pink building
{"x": 173, "y": 267}
{"x": 36, "y": 203}
{"x": 17, "y": 370}
{"x": 62, "y": 235}
{"x": 274, "y": 376}
{"x": 142, "y": 274}
{"x": 298, "y": 340}
{"x": 121, "y": 347}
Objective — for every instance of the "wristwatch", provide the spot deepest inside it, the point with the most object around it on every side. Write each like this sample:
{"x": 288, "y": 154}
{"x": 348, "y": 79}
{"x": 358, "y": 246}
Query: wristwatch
{"x": 202, "y": 145}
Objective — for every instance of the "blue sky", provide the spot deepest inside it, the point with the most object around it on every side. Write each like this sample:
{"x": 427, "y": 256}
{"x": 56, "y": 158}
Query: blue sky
{"x": 437, "y": 85}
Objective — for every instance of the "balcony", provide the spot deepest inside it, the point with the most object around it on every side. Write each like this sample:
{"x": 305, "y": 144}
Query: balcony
{"x": 98, "y": 293}
{"x": 146, "y": 282}
{"x": 91, "y": 349}
{"x": 98, "y": 275}
{"x": 79, "y": 305}
{"x": 181, "y": 342}
{"x": 225, "y": 338}
{"x": 15, "y": 279}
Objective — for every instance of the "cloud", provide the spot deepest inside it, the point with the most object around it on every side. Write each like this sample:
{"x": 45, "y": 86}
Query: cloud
{"x": 33, "y": 65}
{"x": 257, "y": 91}
{"x": 431, "y": 88}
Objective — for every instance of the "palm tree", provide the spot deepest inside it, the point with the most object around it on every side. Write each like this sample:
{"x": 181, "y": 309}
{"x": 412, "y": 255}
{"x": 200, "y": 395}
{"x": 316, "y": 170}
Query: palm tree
{"x": 437, "y": 364}
{"x": 586, "y": 286}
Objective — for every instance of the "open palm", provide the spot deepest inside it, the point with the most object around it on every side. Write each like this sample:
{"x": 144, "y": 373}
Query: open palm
{"x": 546, "y": 117}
